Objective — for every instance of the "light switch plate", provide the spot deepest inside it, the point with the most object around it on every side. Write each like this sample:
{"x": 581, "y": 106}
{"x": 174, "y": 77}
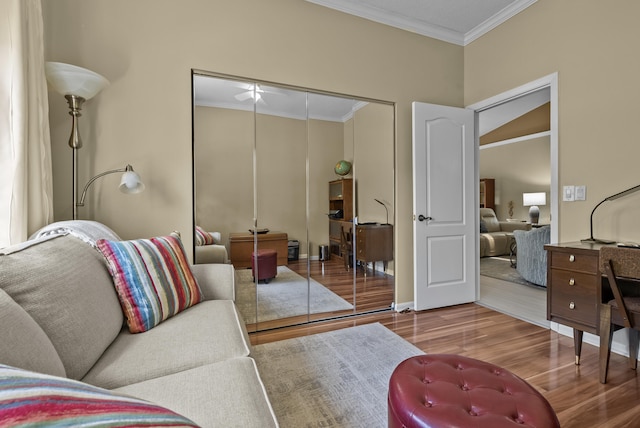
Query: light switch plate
{"x": 568, "y": 193}
{"x": 581, "y": 193}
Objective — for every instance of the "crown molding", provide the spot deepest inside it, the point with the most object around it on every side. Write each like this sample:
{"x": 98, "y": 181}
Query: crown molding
{"x": 497, "y": 19}
{"x": 424, "y": 28}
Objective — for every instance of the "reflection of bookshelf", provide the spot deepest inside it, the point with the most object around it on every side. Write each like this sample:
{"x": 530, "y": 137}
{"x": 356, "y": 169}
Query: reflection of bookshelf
{"x": 487, "y": 193}
{"x": 340, "y": 198}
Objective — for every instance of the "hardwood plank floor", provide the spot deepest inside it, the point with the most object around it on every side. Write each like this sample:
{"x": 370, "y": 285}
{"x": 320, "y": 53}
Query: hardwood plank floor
{"x": 542, "y": 357}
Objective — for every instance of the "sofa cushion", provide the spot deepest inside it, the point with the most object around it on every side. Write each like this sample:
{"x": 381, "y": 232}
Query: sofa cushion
{"x": 24, "y": 343}
{"x": 228, "y": 393}
{"x": 152, "y": 278}
{"x": 34, "y": 399}
{"x": 208, "y": 332}
{"x": 64, "y": 285}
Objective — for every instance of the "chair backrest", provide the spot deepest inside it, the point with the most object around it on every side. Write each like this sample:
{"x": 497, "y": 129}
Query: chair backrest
{"x": 618, "y": 263}
{"x": 488, "y": 216}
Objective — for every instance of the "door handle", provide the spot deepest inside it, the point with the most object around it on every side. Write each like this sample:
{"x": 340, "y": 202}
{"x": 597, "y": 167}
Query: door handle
{"x": 423, "y": 218}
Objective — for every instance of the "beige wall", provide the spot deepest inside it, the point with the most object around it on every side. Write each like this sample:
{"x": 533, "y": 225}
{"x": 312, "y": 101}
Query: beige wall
{"x": 518, "y": 168}
{"x": 146, "y": 48}
{"x": 592, "y": 46}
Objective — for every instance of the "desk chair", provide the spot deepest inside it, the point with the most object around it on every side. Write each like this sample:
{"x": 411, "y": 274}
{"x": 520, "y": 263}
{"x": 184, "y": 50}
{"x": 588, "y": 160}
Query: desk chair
{"x": 621, "y": 307}
{"x": 346, "y": 246}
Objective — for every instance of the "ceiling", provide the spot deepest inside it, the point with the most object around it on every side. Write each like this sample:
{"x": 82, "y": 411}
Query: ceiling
{"x": 454, "y": 21}
{"x": 273, "y": 100}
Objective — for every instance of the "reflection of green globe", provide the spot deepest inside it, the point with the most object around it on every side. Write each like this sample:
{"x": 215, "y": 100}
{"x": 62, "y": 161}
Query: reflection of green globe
{"x": 343, "y": 167}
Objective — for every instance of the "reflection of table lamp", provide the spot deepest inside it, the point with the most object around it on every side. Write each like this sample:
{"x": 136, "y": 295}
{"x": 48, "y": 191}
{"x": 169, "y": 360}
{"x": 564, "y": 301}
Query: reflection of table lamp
{"x": 385, "y": 207}
{"x": 609, "y": 198}
{"x": 533, "y": 200}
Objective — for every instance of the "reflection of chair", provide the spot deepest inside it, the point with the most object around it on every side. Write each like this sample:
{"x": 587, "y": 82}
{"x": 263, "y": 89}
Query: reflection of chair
{"x": 346, "y": 246}
{"x": 622, "y": 267}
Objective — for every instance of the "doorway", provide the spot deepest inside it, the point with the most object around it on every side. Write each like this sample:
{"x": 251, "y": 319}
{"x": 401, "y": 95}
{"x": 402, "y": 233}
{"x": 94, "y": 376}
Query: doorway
{"x": 528, "y": 303}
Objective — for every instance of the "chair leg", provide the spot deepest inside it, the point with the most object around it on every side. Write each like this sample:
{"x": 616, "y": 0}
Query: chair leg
{"x": 605, "y": 341}
{"x": 634, "y": 336}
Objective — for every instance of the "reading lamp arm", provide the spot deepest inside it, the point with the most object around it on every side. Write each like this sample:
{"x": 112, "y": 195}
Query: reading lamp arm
{"x": 611, "y": 198}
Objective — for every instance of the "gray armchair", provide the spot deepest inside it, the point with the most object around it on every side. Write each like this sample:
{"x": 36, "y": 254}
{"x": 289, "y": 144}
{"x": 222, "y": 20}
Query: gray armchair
{"x": 531, "y": 255}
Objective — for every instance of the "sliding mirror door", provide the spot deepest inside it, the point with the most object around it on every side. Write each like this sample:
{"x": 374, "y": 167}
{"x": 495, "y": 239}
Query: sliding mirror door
{"x": 265, "y": 178}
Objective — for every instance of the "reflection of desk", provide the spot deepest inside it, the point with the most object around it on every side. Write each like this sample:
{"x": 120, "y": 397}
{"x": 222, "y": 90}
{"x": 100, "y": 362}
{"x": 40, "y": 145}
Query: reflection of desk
{"x": 241, "y": 247}
{"x": 573, "y": 281}
{"x": 374, "y": 243}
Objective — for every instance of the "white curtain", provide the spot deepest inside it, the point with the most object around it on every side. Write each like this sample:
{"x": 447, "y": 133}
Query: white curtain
{"x": 26, "y": 188}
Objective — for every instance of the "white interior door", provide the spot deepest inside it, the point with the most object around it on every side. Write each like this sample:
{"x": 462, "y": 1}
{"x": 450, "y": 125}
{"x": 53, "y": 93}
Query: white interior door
{"x": 444, "y": 198}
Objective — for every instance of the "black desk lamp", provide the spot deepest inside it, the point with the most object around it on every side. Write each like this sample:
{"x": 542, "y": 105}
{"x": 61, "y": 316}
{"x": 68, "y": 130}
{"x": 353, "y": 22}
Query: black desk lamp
{"x": 385, "y": 207}
{"x": 609, "y": 198}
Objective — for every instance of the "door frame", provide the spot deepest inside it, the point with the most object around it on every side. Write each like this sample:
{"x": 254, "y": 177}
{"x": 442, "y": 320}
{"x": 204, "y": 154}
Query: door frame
{"x": 549, "y": 81}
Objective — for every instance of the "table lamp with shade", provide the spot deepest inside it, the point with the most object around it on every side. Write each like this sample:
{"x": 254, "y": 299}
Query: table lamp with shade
{"x": 534, "y": 200}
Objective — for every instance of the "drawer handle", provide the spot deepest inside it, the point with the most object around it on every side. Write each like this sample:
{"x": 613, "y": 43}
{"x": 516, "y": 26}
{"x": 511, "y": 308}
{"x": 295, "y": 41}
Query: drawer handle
{"x": 572, "y": 258}
{"x": 572, "y": 281}
{"x": 572, "y": 305}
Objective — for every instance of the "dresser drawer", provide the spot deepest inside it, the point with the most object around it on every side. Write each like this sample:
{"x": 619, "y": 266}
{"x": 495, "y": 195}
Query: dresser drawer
{"x": 573, "y": 296}
{"x": 575, "y": 261}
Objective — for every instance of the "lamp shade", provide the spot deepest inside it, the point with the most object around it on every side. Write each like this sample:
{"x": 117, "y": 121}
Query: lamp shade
{"x": 131, "y": 182}
{"x": 530, "y": 199}
{"x": 68, "y": 79}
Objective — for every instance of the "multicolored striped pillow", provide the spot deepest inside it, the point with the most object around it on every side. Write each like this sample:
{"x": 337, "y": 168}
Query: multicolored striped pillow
{"x": 203, "y": 237}
{"x": 29, "y": 399}
{"x": 152, "y": 278}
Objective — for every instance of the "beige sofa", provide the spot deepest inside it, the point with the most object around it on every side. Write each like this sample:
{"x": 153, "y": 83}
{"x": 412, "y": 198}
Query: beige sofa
{"x": 496, "y": 236}
{"x": 60, "y": 315}
{"x": 212, "y": 253}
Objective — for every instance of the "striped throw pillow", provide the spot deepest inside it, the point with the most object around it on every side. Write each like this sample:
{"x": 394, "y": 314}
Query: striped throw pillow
{"x": 203, "y": 237}
{"x": 152, "y": 278}
{"x": 30, "y": 399}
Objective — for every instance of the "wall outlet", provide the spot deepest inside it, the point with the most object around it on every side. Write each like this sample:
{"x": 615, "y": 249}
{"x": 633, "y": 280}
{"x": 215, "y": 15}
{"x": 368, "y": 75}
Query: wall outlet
{"x": 581, "y": 193}
{"x": 568, "y": 193}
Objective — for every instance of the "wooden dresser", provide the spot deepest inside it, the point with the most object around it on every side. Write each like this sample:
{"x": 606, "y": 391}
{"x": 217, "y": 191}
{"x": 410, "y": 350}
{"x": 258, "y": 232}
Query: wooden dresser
{"x": 241, "y": 247}
{"x": 573, "y": 280}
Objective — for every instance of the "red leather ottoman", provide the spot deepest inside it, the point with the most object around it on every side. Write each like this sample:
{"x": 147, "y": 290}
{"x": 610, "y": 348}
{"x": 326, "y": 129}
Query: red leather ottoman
{"x": 264, "y": 264}
{"x": 443, "y": 390}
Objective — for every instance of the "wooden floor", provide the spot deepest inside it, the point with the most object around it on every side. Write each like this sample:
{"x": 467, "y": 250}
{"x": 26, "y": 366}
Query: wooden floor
{"x": 541, "y": 356}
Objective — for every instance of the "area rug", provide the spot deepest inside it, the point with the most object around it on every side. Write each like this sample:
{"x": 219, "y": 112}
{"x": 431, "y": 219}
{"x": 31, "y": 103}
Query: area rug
{"x": 500, "y": 268}
{"x": 287, "y": 295}
{"x": 334, "y": 379}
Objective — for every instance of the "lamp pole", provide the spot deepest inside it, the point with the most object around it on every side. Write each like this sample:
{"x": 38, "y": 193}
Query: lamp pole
{"x": 75, "y": 142}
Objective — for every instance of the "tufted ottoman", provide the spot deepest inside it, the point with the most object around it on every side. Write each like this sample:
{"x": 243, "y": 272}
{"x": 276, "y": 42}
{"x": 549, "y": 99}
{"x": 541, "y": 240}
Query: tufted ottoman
{"x": 264, "y": 264}
{"x": 443, "y": 390}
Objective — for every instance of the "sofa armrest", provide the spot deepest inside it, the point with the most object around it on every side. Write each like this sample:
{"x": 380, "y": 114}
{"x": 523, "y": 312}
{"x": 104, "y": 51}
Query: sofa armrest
{"x": 217, "y": 281}
{"x": 211, "y": 254}
{"x": 510, "y": 226}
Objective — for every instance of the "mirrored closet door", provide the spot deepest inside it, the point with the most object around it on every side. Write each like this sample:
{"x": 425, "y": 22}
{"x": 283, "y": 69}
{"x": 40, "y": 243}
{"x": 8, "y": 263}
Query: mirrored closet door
{"x": 297, "y": 187}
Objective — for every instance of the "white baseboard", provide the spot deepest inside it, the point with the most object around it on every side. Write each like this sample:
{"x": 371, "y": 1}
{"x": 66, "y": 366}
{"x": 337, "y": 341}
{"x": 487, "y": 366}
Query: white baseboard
{"x": 399, "y": 307}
